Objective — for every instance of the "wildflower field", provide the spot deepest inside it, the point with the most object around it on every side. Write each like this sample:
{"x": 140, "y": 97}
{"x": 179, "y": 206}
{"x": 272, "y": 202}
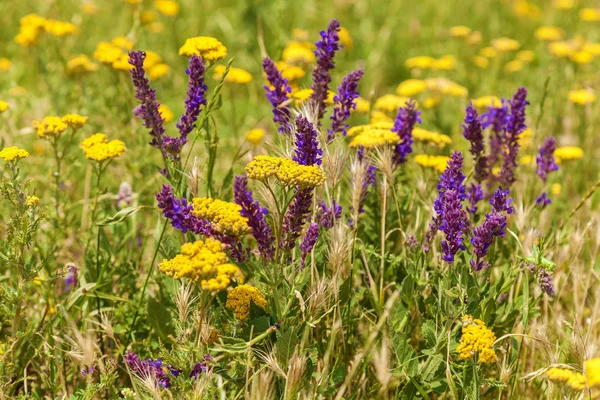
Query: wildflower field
{"x": 299, "y": 200}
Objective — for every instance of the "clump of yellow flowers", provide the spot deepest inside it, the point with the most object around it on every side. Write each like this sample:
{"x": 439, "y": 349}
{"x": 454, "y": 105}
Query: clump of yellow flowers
{"x": 3, "y": 106}
{"x": 209, "y": 48}
{"x": 52, "y": 126}
{"x": 438, "y": 163}
{"x": 371, "y": 138}
{"x": 575, "y": 380}
{"x": 476, "y": 338}
{"x": 98, "y": 148}
{"x": 238, "y": 300}
{"x": 235, "y": 75}
{"x": 286, "y": 171}
{"x": 204, "y": 262}
{"x": 13, "y": 153}
{"x": 80, "y": 64}
{"x": 224, "y": 216}
{"x": 255, "y": 135}
{"x": 32, "y": 25}
{"x": 375, "y": 130}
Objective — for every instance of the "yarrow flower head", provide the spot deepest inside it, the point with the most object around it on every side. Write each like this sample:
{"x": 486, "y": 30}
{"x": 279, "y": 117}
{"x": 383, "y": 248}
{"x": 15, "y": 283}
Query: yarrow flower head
{"x": 307, "y": 150}
{"x": 239, "y": 299}
{"x": 50, "y": 126}
{"x": 325, "y": 53}
{"x": 575, "y": 380}
{"x": 477, "y": 339}
{"x": 74, "y": 121}
{"x": 406, "y": 119}
{"x": 209, "y": 48}
{"x": 98, "y": 148}
{"x": 13, "y": 153}
{"x": 345, "y": 102}
{"x": 225, "y": 217}
{"x": 278, "y": 95}
{"x": 286, "y": 171}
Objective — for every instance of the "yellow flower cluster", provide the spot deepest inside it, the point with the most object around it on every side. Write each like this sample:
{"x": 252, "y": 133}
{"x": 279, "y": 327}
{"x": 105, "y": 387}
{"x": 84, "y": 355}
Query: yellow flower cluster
{"x": 204, "y": 262}
{"x": 549, "y": 33}
{"x": 411, "y": 87}
{"x": 302, "y": 95}
{"x": 362, "y": 106}
{"x": 3, "y": 106}
{"x": 13, "y": 152}
{"x": 50, "y": 126}
{"x": 577, "y": 50}
{"x": 390, "y": 103}
{"x": 581, "y": 97}
{"x": 98, "y": 148}
{"x": 235, "y": 75}
{"x": 224, "y": 216}
{"x": 209, "y": 48}
{"x": 114, "y": 53}
{"x": 255, "y": 135}
{"x": 5, "y": 64}
{"x": 286, "y": 171}
{"x": 170, "y": 8}
{"x": 486, "y": 101}
{"x": 32, "y": 25}
{"x": 505, "y": 44}
{"x": 438, "y": 163}
{"x": 81, "y": 64}
{"x": 371, "y": 138}
{"x": 32, "y": 201}
{"x": 592, "y": 371}
{"x": 290, "y": 72}
{"x": 476, "y": 337}
{"x": 568, "y": 153}
{"x": 575, "y": 380}
{"x": 74, "y": 121}
{"x": 445, "y": 86}
{"x": 376, "y": 130}
{"x": 299, "y": 53}
{"x": 447, "y": 62}
{"x": 239, "y": 298}
{"x": 423, "y": 135}
{"x": 166, "y": 113}
{"x": 589, "y": 14}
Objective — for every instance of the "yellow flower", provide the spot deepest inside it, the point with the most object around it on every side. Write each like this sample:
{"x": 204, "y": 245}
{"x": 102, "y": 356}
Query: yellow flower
{"x": 170, "y": 8}
{"x": 362, "y": 106}
{"x": 299, "y": 53}
{"x": 523, "y": 8}
{"x": 151, "y": 59}
{"x": 486, "y": 101}
{"x": 592, "y": 371}
{"x": 411, "y": 87}
{"x": 290, "y": 72}
{"x": 13, "y": 152}
{"x": 286, "y": 171}
{"x": 582, "y": 97}
{"x": 235, "y": 75}
{"x": 148, "y": 16}
{"x": 345, "y": 38}
{"x": 356, "y": 130}
{"x": 50, "y": 126}
{"x": 28, "y": 36}
{"x": 3, "y": 106}
{"x": 390, "y": 103}
{"x": 303, "y": 95}
{"x": 527, "y": 160}
{"x": 166, "y": 113}
{"x": 436, "y": 162}
{"x": 423, "y": 135}
{"x": 300, "y": 34}
{"x": 574, "y": 380}
{"x": 513, "y": 66}
{"x": 564, "y": 4}
{"x": 122, "y": 42}
{"x": 372, "y": 138}
{"x": 445, "y": 86}
{"x": 526, "y": 56}
{"x": 555, "y": 189}
{"x": 108, "y": 53}
{"x": 60, "y": 28}
{"x": 504, "y": 44}
{"x": 80, "y": 64}
{"x": 156, "y": 27}
{"x": 568, "y": 153}
{"x": 38, "y": 280}
{"x": 238, "y": 300}
{"x": 75, "y": 121}
{"x": 561, "y": 49}
{"x": 32, "y": 201}
{"x": 98, "y": 148}
{"x": 488, "y": 52}
{"x": 209, "y": 48}
{"x": 548, "y": 33}
{"x": 122, "y": 63}
{"x": 378, "y": 116}
{"x": 431, "y": 101}
{"x": 419, "y": 62}
{"x": 224, "y": 216}
{"x": 481, "y": 62}
{"x": 588, "y": 47}
{"x": 158, "y": 71}
{"x": 89, "y": 8}
{"x": 581, "y": 57}
{"x": 589, "y": 14}
{"x": 255, "y": 135}
{"x": 445, "y": 63}
{"x": 460, "y": 31}
{"x": 5, "y": 64}
{"x": 476, "y": 338}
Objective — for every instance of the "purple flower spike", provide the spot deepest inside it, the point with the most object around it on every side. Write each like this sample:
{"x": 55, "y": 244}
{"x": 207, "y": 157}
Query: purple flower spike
{"x": 474, "y": 196}
{"x": 71, "y": 278}
{"x": 406, "y": 119}
{"x": 493, "y": 226}
{"x": 176, "y": 210}
{"x": 256, "y": 214}
{"x": 307, "y": 144}
{"x": 295, "y": 217}
{"x": 327, "y": 216}
{"x": 325, "y": 53}
{"x": 473, "y": 132}
{"x": 545, "y": 160}
{"x": 277, "y": 93}
{"x": 308, "y": 243}
{"x": 150, "y": 369}
{"x": 194, "y": 100}
{"x": 344, "y": 103}
{"x": 543, "y": 200}
{"x": 516, "y": 125}
{"x": 148, "y": 108}
{"x": 497, "y": 118}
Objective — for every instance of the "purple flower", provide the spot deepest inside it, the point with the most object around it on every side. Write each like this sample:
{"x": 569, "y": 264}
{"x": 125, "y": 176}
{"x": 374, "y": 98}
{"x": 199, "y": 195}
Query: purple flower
{"x": 545, "y": 160}
{"x": 277, "y": 93}
{"x": 327, "y": 216}
{"x": 473, "y": 132}
{"x": 516, "y": 125}
{"x": 497, "y": 118}
{"x": 474, "y": 196}
{"x": 71, "y": 277}
{"x": 149, "y": 369}
{"x": 545, "y": 282}
{"x": 194, "y": 100}
{"x": 309, "y": 241}
{"x": 543, "y": 200}
{"x": 201, "y": 367}
{"x": 344, "y": 103}
{"x": 451, "y": 218}
{"x": 493, "y": 226}
{"x": 325, "y": 53}
{"x": 148, "y": 108}
{"x": 296, "y": 215}
{"x": 307, "y": 145}
{"x": 256, "y": 214}
{"x": 406, "y": 119}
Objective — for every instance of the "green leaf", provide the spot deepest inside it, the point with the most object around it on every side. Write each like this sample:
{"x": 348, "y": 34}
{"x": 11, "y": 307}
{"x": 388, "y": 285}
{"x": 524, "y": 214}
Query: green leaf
{"x": 338, "y": 375}
{"x": 120, "y": 216}
{"x": 285, "y": 346}
{"x": 428, "y": 330}
{"x": 256, "y": 326}
{"x": 159, "y": 317}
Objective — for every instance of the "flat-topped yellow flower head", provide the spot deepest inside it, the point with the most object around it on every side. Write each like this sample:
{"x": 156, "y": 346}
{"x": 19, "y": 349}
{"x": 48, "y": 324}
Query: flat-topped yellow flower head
{"x": 80, "y": 64}
{"x": 476, "y": 338}
{"x": 98, "y": 148}
{"x": 255, "y": 135}
{"x": 74, "y": 121}
{"x": 373, "y": 137}
{"x": 209, "y": 48}
{"x": 50, "y": 126}
{"x": 13, "y": 153}
{"x": 224, "y": 216}
{"x": 286, "y": 171}
{"x": 238, "y": 300}
{"x": 235, "y": 75}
